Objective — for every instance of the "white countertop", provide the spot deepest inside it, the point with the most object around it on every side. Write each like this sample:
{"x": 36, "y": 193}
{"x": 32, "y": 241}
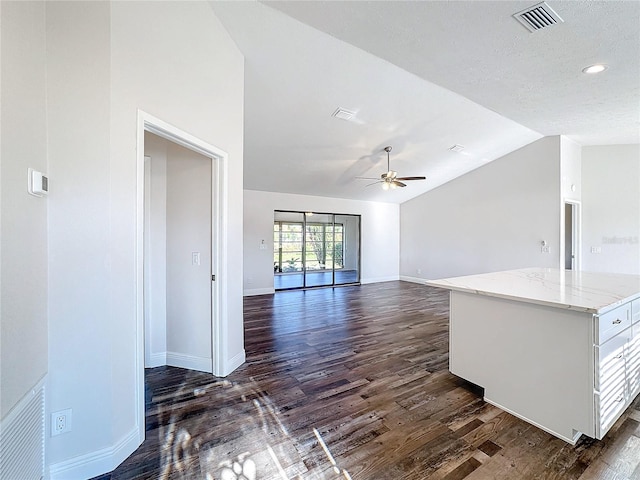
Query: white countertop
{"x": 582, "y": 291}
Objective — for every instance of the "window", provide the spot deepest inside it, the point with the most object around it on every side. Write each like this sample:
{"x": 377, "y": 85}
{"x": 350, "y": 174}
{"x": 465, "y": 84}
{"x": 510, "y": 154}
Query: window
{"x": 324, "y": 246}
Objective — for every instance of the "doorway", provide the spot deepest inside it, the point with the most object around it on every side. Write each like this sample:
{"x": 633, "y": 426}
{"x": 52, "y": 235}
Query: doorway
{"x": 313, "y": 249}
{"x": 220, "y": 364}
{"x": 571, "y": 235}
{"x": 177, "y": 256}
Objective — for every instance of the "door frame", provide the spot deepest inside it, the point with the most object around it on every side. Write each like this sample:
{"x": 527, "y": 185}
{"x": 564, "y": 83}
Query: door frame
{"x": 576, "y": 237}
{"x": 219, "y": 317}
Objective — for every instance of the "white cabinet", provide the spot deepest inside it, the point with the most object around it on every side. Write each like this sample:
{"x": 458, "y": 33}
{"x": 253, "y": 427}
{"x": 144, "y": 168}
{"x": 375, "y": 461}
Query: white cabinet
{"x": 557, "y": 348}
{"x": 617, "y": 376}
{"x": 564, "y": 371}
{"x": 611, "y": 380}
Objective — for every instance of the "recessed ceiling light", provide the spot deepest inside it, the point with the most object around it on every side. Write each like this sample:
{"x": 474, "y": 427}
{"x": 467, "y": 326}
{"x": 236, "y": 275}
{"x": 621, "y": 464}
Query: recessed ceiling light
{"x": 456, "y": 148}
{"x": 597, "y": 68}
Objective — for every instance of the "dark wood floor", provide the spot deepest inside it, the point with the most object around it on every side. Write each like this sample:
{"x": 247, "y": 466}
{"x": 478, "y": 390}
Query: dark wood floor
{"x": 352, "y": 382}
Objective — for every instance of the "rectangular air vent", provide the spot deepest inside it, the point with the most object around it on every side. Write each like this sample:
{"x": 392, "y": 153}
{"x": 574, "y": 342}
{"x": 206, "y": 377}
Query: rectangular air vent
{"x": 538, "y": 17}
{"x": 344, "y": 114}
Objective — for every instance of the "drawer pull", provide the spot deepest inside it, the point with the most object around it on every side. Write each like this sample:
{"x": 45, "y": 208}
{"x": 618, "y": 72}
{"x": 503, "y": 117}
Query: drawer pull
{"x": 617, "y": 321}
{"x": 620, "y": 398}
{"x": 619, "y": 355}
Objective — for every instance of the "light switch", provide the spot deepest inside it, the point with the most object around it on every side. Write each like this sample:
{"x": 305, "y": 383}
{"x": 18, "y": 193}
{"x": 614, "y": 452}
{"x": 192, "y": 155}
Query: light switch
{"x": 195, "y": 258}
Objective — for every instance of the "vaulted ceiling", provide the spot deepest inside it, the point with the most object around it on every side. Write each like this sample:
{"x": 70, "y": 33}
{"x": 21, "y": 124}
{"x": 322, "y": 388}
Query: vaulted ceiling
{"x": 423, "y": 76}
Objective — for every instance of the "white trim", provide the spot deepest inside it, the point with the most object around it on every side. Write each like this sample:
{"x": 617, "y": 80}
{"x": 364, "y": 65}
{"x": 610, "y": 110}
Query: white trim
{"x": 259, "y": 291}
{"x": 234, "y": 363}
{"x": 404, "y": 278}
{"x": 391, "y": 278}
{"x": 202, "y": 364}
{"x": 95, "y": 463}
{"x": 157, "y": 359}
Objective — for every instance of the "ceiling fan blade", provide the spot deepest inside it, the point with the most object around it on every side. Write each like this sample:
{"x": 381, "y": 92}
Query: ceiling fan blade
{"x": 399, "y": 184}
{"x": 411, "y": 178}
{"x": 368, "y": 178}
{"x": 374, "y": 183}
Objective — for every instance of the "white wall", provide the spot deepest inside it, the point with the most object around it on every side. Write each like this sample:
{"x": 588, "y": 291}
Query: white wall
{"x": 105, "y": 61}
{"x": 188, "y": 285}
{"x": 493, "y": 218}
{"x": 611, "y": 208}
{"x": 379, "y": 226}
{"x": 23, "y": 218}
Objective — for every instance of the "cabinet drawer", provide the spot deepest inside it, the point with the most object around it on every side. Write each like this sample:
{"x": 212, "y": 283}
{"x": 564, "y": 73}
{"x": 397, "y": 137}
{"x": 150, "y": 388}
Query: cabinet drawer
{"x": 612, "y": 323}
{"x": 635, "y": 311}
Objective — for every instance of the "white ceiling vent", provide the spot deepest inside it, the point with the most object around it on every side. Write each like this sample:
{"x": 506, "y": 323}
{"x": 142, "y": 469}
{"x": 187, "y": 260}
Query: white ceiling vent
{"x": 344, "y": 114}
{"x": 538, "y": 17}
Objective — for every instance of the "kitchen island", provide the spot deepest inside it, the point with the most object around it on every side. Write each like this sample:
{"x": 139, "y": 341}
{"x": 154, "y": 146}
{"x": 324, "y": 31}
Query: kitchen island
{"x": 558, "y": 348}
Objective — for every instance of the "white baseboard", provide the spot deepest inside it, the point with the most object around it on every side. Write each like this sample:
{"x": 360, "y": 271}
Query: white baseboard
{"x": 96, "y": 463}
{"x": 404, "y": 278}
{"x": 258, "y": 291}
{"x": 233, "y": 363}
{"x": 392, "y": 278}
{"x": 156, "y": 360}
{"x": 202, "y": 364}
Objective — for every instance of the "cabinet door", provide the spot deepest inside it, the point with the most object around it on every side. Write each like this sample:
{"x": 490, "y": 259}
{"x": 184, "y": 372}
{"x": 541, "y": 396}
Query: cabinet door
{"x": 611, "y": 382}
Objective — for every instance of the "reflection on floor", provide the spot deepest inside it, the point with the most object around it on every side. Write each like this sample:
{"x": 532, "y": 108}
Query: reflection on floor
{"x": 314, "y": 279}
{"x": 347, "y": 383}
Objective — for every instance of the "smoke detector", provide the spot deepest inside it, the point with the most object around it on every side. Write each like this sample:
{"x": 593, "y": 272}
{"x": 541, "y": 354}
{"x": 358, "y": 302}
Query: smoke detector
{"x": 538, "y": 17}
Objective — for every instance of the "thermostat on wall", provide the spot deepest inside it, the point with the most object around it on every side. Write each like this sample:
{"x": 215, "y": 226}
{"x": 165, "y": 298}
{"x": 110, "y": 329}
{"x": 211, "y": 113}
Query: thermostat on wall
{"x": 38, "y": 184}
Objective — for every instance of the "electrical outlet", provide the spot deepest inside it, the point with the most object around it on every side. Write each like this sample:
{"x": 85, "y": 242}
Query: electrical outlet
{"x": 545, "y": 249}
{"x": 60, "y": 422}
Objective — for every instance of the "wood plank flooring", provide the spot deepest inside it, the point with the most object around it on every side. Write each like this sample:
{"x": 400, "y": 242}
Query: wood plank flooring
{"x": 353, "y": 383}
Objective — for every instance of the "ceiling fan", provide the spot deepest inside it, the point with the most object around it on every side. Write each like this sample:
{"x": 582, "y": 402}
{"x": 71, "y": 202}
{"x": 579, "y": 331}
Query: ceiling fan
{"x": 390, "y": 178}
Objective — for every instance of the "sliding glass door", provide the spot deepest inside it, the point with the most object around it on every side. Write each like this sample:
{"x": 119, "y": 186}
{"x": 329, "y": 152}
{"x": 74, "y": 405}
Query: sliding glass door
{"x": 347, "y": 248}
{"x": 288, "y": 244}
{"x": 315, "y": 249}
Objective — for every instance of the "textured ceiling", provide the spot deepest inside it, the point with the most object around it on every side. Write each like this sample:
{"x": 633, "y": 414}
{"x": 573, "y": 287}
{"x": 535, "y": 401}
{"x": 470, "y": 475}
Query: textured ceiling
{"x": 422, "y": 76}
{"x": 476, "y": 48}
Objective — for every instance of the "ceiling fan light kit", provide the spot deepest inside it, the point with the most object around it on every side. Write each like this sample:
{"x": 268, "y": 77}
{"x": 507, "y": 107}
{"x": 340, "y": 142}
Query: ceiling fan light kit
{"x": 390, "y": 179}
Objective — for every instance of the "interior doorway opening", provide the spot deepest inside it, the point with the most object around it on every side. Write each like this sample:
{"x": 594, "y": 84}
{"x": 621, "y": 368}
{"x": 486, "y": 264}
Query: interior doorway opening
{"x": 313, "y": 249}
{"x": 177, "y": 256}
{"x": 220, "y": 366}
{"x": 571, "y": 235}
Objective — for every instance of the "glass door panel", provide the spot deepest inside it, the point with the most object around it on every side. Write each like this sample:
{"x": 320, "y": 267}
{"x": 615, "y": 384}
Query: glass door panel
{"x": 319, "y": 241}
{"x": 347, "y": 249}
{"x": 288, "y": 250}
